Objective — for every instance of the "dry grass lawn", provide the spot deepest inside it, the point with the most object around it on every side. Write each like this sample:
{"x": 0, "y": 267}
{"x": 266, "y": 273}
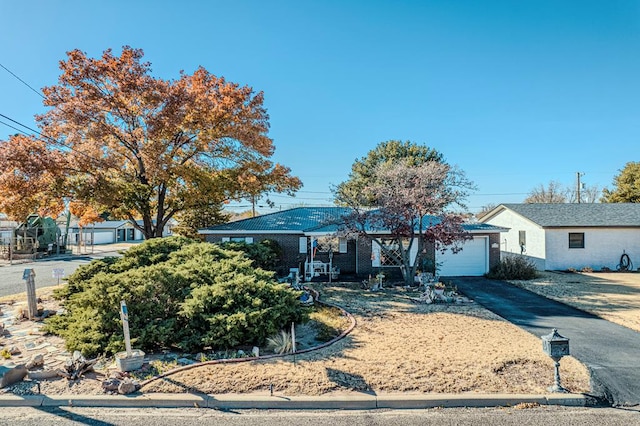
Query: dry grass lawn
{"x": 614, "y": 296}
{"x": 397, "y": 346}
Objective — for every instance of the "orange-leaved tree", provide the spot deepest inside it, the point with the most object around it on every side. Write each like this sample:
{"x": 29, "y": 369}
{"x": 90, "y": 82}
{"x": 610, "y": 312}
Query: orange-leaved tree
{"x": 32, "y": 176}
{"x": 141, "y": 147}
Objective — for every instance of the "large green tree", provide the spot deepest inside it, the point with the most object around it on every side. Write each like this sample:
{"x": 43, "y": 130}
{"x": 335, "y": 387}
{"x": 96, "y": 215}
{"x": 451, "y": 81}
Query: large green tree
{"x": 363, "y": 170}
{"x": 626, "y": 186}
{"x": 142, "y": 147}
{"x": 404, "y": 201}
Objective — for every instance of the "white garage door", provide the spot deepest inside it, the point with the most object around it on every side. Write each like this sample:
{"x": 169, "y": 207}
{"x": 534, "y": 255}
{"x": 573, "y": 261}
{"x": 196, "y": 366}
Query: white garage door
{"x": 102, "y": 237}
{"x": 473, "y": 260}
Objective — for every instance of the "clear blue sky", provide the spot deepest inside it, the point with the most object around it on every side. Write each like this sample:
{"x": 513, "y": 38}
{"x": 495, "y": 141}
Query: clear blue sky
{"x": 516, "y": 93}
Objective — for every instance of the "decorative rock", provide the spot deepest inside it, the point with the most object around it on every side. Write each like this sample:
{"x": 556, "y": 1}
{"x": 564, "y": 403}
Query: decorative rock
{"x": 36, "y": 361}
{"x": 14, "y": 350}
{"x": 127, "y": 386}
{"x": 43, "y": 374}
{"x": 111, "y": 385}
{"x": 9, "y": 376}
{"x": 255, "y": 351}
{"x": 240, "y": 353}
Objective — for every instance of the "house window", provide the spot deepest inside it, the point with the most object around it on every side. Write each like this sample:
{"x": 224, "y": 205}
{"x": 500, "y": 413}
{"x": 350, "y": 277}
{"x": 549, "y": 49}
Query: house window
{"x": 248, "y": 240}
{"x": 342, "y": 242}
{"x": 522, "y": 241}
{"x": 331, "y": 244}
{"x": 576, "y": 240}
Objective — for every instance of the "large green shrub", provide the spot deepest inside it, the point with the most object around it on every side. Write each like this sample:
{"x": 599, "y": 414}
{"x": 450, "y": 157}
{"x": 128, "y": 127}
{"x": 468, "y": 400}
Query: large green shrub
{"x": 513, "y": 268}
{"x": 265, "y": 253}
{"x": 180, "y": 294}
{"x": 150, "y": 252}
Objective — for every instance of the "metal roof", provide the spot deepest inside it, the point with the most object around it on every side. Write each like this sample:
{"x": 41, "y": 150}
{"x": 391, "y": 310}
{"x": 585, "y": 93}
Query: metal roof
{"x": 296, "y": 220}
{"x": 306, "y": 220}
{"x": 577, "y": 215}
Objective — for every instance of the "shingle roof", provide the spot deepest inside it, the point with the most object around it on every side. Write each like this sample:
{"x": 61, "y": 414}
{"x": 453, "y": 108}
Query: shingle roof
{"x": 580, "y": 215}
{"x": 304, "y": 220}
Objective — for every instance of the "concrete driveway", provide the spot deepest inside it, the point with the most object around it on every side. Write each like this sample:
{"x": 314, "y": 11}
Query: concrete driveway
{"x": 611, "y": 352}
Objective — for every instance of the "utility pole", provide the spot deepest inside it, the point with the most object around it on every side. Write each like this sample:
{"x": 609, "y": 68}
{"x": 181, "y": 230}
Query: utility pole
{"x": 578, "y": 196}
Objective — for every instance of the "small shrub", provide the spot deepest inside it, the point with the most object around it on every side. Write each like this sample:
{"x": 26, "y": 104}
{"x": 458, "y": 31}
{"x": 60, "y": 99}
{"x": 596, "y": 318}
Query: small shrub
{"x": 280, "y": 343}
{"x": 513, "y": 268}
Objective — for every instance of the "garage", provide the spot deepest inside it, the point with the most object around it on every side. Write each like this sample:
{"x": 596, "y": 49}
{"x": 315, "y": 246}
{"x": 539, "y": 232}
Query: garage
{"x": 473, "y": 260}
{"x": 102, "y": 237}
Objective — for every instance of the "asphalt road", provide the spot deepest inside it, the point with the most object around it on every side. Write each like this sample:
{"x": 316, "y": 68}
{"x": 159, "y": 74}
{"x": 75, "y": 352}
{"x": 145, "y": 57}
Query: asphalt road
{"x": 11, "y": 281}
{"x": 611, "y": 352}
{"x": 446, "y": 416}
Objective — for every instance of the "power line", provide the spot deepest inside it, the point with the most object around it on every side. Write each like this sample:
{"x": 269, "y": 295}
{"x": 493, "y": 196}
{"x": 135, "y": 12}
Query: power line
{"x": 37, "y": 92}
{"x": 49, "y": 138}
{"x": 22, "y": 125}
{"x": 14, "y": 128}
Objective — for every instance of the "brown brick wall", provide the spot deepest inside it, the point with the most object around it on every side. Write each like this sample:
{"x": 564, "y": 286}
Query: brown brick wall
{"x": 357, "y": 260}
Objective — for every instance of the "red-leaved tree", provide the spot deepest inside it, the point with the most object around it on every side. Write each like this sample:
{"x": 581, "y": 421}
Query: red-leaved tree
{"x": 412, "y": 206}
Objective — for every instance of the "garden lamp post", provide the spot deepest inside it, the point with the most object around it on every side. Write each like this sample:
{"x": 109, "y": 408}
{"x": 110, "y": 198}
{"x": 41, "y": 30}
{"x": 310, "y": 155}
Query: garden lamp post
{"x": 556, "y": 346}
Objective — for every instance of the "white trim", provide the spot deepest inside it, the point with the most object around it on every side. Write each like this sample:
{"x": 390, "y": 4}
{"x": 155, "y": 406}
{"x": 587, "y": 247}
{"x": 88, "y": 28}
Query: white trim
{"x": 322, "y": 234}
{"x": 375, "y": 253}
{"x": 245, "y": 232}
{"x": 413, "y": 253}
{"x": 342, "y": 245}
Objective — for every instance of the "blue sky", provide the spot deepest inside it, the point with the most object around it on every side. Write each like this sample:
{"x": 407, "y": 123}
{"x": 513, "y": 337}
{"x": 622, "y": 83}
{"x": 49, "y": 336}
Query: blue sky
{"x": 516, "y": 93}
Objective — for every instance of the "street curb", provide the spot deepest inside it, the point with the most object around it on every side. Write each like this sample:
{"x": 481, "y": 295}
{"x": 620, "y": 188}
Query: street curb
{"x": 358, "y": 401}
{"x": 130, "y": 401}
{"x": 21, "y": 401}
{"x": 335, "y": 402}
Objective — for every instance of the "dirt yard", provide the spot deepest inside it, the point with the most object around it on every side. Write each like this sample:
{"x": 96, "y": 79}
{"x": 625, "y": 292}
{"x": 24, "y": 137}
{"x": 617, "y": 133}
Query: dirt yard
{"x": 397, "y": 346}
{"x": 614, "y": 296}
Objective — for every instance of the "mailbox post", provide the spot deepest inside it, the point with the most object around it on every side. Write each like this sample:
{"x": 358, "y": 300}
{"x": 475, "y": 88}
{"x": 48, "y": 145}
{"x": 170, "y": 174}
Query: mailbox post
{"x": 29, "y": 276}
{"x": 556, "y": 346}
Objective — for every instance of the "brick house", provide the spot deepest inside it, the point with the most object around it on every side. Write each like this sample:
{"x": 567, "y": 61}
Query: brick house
{"x": 309, "y": 239}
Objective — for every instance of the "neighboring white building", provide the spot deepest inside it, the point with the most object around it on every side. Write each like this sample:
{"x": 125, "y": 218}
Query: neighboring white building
{"x": 564, "y": 236}
{"x": 111, "y": 231}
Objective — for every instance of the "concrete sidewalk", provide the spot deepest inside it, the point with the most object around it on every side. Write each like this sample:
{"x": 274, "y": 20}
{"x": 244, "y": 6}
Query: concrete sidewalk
{"x": 337, "y": 401}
